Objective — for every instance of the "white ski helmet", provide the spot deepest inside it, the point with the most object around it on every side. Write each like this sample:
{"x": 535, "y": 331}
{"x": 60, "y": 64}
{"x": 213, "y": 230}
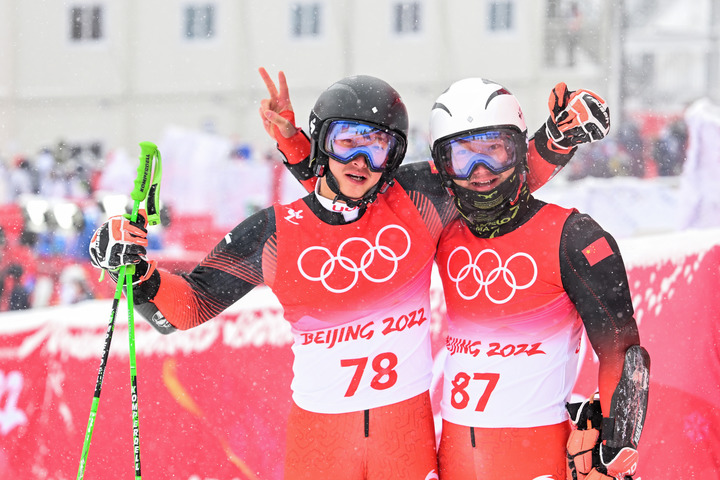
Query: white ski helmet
{"x": 470, "y": 108}
{"x": 474, "y": 104}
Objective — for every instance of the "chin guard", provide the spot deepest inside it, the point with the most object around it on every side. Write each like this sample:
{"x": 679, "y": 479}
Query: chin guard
{"x": 624, "y": 424}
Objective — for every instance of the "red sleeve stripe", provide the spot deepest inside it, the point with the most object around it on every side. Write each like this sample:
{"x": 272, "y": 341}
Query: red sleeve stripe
{"x": 179, "y": 303}
{"x": 269, "y": 260}
{"x": 539, "y": 171}
{"x": 233, "y": 265}
{"x": 427, "y": 212}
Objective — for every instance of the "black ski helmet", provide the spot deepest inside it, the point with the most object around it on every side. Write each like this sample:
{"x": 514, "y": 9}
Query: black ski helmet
{"x": 368, "y": 100}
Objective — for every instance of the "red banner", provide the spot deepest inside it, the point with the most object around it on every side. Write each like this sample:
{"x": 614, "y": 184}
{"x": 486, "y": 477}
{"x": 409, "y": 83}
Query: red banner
{"x": 213, "y": 400}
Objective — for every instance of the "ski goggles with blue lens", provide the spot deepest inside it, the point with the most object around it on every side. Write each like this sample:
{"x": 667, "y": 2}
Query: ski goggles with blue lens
{"x": 347, "y": 140}
{"x": 497, "y": 150}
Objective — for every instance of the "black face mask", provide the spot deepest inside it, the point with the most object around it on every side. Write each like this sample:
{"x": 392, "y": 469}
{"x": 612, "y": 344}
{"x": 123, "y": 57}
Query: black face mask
{"x": 493, "y": 213}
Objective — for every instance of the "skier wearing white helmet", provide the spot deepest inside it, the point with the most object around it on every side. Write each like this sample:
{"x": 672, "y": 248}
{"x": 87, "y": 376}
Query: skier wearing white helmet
{"x": 484, "y": 115}
{"x": 521, "y": 279}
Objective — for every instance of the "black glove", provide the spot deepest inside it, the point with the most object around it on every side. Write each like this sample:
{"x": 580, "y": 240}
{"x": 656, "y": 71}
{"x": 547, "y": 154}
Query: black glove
{"x": 576, "y": 117}
{"x": 121, "y": 242}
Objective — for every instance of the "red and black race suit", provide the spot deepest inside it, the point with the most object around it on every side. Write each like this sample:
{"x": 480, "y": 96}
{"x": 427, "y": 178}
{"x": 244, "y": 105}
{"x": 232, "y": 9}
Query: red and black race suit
{"x": 516, "y": 305}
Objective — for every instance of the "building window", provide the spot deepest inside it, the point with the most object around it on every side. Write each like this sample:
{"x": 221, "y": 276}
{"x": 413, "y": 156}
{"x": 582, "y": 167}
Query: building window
{"x": 86, "y": 23}
{"x": 200, "y": 21}
{"x": 305, "y": 18}
{"x": 407, "y": 17}
{"x": 501, "y": 16}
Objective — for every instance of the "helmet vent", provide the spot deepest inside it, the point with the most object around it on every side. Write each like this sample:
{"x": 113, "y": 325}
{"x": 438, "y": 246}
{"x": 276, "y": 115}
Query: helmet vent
{"x": 496, "y": 93}
{"x": 441, "y": 107}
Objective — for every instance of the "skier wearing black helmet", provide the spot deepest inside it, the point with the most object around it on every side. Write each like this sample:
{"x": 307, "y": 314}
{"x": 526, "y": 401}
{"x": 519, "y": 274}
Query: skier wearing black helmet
{"x": 359, "y": 102}
{"x": 350, "y": 263}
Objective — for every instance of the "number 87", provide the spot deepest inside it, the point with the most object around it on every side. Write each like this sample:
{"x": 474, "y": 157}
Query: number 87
{"x": 460, "y": 383}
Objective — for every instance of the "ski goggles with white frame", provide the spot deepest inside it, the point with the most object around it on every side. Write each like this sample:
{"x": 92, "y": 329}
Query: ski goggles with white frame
{"x": 497, "y": 150}
{"x": 346, "y": 140}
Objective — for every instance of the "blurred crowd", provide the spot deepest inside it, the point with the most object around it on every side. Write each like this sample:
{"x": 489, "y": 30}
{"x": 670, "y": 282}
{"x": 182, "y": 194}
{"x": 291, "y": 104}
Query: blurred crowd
{"x": 50, "y": 204}
{"x": 628, "y": 151}
{"x": 47, "y": 214}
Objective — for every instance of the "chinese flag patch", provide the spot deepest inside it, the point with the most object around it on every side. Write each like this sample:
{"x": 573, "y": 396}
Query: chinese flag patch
{"x": 597, "y": 251}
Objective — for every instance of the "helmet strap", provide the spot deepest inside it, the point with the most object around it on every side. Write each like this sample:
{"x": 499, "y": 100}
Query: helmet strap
{"x": 370, "y": 196}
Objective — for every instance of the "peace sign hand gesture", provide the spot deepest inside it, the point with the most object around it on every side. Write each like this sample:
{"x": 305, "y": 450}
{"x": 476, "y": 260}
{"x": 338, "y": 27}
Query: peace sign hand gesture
{"x": 276, "y": 112}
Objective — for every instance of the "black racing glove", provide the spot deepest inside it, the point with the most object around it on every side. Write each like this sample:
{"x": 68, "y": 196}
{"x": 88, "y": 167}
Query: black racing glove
{"x": 576, "y": 117}
{"x": 121, "y": 242}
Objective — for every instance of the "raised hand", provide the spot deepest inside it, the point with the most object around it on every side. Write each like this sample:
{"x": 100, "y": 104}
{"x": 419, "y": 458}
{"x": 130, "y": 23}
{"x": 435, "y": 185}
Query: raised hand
{"x": 576, "y": 117}
{"x": 276, "y": 112}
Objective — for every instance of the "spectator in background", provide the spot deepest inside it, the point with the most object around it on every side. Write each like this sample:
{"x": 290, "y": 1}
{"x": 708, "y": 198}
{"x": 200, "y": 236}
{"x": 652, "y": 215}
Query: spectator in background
{"x": 21, "y": 178}
{"x": 44, "y": 165}
{"x": 630, "y": 139}
{"x": 619, "y": 161}
{"x": 13, "y": 294}
{"x": 49, "y": 242}
{"x": 74, "y": 286}
{"x": 669, "y": 149}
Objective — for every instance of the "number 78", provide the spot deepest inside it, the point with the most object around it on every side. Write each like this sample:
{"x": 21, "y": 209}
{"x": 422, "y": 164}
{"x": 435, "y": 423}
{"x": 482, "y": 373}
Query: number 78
{"x": 384, "y": 366}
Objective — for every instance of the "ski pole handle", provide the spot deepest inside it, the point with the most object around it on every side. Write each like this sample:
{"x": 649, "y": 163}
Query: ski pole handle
{"x": 148, "y": 151}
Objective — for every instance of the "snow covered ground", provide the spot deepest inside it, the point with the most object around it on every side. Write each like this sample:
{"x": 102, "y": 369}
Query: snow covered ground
{"x": 624, "y": 206}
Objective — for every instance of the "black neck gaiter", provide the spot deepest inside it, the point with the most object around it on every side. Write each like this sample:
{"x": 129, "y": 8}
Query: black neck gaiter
{"x": 494, "y": 213}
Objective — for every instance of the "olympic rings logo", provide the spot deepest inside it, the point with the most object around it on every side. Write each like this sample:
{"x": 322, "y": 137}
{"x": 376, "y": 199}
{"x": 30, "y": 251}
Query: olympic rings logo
{"x": 484, "y": 280}
{"x": 350, "y": 265}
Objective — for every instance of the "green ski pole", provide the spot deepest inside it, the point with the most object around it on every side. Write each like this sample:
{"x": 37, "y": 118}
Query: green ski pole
{"x": 98, "y": 383}
{"x": 149, "y": 152}
{"x": 139, "y": 193}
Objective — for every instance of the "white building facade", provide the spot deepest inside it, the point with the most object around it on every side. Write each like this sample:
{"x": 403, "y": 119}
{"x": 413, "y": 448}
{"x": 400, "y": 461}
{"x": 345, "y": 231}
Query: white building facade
{"x": 108, "y": 74}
